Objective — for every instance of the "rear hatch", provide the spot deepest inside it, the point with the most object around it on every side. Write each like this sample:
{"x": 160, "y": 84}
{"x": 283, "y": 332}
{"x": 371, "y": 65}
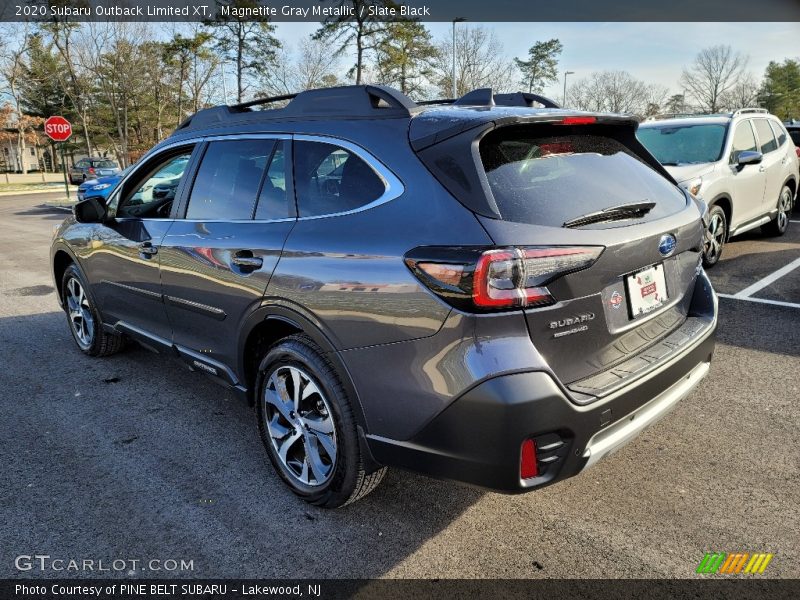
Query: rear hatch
{"x": 104, "y": 168}
{"x": 586, "y": 183}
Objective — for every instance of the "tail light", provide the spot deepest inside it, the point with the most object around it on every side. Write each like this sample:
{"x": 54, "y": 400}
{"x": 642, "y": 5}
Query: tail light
{"x": 797, "y": 151}
{"x": 91, "y": 170}
{"x": 497, "y": 278}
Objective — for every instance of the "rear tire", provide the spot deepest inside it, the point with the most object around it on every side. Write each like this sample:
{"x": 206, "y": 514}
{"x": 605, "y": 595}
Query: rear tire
{"x": 780, "y": 224}
{"x": 715, "y": 236}
{"x": 83, "y": 317}
{"x": 308, "y": 428}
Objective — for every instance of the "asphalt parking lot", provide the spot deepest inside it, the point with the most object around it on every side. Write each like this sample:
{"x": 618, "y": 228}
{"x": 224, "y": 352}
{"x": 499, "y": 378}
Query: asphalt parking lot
{"x": 133, "y": 457}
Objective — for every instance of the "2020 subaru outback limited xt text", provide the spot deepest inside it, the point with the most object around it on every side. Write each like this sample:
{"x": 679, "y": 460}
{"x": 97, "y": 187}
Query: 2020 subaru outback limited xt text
{"x": 480, "y": 290}
{"x": 744, "y": 165}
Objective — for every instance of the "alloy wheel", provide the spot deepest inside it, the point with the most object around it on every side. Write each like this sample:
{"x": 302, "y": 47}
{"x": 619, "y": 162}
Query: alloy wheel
{"x": 80, "y": 313}
{"x": 784, "y": 205}
{"x": 300, "y": 425}
{"x": 715, "y": 238}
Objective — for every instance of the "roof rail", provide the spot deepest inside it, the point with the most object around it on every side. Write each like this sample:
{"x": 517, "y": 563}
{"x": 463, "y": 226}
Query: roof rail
{"x": 480, "y": 97}
{"x": 524, "y": 99}
{"x": 260, "y": 101}
{"x": 663, "y": 116}
{"x": 352, "y": 101}
{"x": 743, "y": 111}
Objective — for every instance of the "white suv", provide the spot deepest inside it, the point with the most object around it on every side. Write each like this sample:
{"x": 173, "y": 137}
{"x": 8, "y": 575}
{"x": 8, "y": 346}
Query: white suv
{"x": 742, "y": 164}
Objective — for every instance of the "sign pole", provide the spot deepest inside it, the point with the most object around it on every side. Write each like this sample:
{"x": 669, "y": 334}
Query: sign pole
{"x": 58, "y": 129}
{"x": 64, "y": 168}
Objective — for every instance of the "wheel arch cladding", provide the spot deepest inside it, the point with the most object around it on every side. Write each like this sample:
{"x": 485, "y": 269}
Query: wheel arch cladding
{"x": 724, "y": 202}
{"x": 269, "y": 326}
{"x": 61, "y": 261}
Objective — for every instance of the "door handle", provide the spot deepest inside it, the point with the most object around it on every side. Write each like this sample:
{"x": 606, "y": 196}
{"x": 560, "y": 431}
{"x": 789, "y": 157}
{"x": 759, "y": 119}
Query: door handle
{"x": 147, "y": 249}
{"x": 762, "y": 168}
{"x": 246, "y": 261}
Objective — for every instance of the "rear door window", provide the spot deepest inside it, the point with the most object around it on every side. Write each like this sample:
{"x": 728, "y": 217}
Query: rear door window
{"x": 228, "y": 180}
{"x": 765, "y": 137}
{"x": 551, "y": 179}
{"x": 779, "y": 131}
{"x": 275, "y": 199}
{"x": 331, "y": 179}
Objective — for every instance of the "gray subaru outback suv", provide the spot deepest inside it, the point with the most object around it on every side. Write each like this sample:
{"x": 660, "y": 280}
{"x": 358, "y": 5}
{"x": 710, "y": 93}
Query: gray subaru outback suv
{"x": 491, "y": 290}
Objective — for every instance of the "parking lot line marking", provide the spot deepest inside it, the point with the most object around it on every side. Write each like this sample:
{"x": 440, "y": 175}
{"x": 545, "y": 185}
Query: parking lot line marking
{"x": 769, "y": 279}
{"x": 760, "y": 300}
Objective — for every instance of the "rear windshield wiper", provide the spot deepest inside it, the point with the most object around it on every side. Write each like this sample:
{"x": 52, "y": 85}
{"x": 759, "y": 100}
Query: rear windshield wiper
{"x": 634, "y": 210}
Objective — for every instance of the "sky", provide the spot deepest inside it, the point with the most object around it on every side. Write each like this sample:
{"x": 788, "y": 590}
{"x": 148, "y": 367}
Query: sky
{"x": 653, "y": 52}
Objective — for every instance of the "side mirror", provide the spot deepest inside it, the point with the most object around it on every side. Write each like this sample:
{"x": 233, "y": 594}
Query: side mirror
{"x": 91, "y": 209}
{"x": 749, "y": 157}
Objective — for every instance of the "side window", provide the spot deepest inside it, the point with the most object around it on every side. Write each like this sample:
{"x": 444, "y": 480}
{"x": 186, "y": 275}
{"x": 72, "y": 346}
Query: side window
{"x": 80, "y": 164}
{"x": 275, "y": 199}
{"x": 331, "y": 179}
{"x": 765, "y": 137}
{"x": 228, "y": 179}
{"x": 779, "y": 132}
{"x": 743, "y": 140}
{"x": 152, "y": 194}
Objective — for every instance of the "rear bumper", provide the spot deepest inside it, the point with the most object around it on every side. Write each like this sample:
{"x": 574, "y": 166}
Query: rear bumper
{"x": 477, "y": 439}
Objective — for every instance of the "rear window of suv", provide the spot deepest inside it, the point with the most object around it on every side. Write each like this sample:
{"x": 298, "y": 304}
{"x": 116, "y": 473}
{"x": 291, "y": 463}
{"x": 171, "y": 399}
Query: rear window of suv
{"x": 549, "y": 180}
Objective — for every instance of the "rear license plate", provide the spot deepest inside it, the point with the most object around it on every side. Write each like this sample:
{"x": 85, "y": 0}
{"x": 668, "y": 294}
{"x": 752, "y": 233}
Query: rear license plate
{"x": 647, "y": 290}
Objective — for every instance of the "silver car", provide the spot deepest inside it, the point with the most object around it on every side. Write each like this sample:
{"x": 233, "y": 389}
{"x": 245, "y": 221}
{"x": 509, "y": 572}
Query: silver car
{"x": 92, "y": 168}
{"x": 743, "y": 165}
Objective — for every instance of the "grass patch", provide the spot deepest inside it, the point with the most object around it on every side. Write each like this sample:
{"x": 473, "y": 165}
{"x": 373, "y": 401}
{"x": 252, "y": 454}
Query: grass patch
{"x": 32, "y": 187}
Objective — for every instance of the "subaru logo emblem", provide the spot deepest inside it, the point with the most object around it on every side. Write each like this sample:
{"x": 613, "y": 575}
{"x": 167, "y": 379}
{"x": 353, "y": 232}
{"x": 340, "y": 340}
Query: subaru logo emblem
{"x": 666, "y": 245}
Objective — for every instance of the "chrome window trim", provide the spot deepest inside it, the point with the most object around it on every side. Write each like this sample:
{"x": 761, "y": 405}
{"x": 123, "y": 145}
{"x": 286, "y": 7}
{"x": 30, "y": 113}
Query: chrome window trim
{"x": 393, "y": 187}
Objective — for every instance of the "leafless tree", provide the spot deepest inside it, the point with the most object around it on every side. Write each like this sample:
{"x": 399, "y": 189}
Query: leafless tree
{"x": 312, "y": 65}
{"x": 480, "y": 62}
{"x": 743, "y": 94}
{"x": 715, "y": 71}
{"x": 615, "y": 91}
{"x": 76, "y": 85}
{"x": 111, "y": 54}
{"x": 12, "y": 70}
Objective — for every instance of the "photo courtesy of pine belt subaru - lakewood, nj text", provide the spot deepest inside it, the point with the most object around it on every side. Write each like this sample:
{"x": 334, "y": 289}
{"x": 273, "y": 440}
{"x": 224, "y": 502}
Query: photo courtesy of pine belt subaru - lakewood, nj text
{"x": 491, "y": 290}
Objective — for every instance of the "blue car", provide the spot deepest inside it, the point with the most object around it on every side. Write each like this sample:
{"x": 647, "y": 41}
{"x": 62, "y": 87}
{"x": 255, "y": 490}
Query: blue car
{"x": 101, "y": 186}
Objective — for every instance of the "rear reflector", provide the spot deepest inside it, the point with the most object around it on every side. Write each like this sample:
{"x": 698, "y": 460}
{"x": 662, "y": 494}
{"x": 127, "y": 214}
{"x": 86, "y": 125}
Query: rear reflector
{"x": 528, "y": 467}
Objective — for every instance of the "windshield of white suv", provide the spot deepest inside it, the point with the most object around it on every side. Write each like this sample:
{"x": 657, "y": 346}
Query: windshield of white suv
{"x": 688, "y": 144}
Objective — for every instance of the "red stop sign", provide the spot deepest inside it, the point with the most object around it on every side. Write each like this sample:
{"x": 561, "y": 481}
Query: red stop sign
{"x": 58, "y": 129}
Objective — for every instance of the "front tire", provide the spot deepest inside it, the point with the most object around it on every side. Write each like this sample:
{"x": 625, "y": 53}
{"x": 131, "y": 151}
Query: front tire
{"x": 308, "y": 427}
{"x": 84, "y": 319}
{"x": 715, "y": 236}
{"x": 780, "y": 224}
